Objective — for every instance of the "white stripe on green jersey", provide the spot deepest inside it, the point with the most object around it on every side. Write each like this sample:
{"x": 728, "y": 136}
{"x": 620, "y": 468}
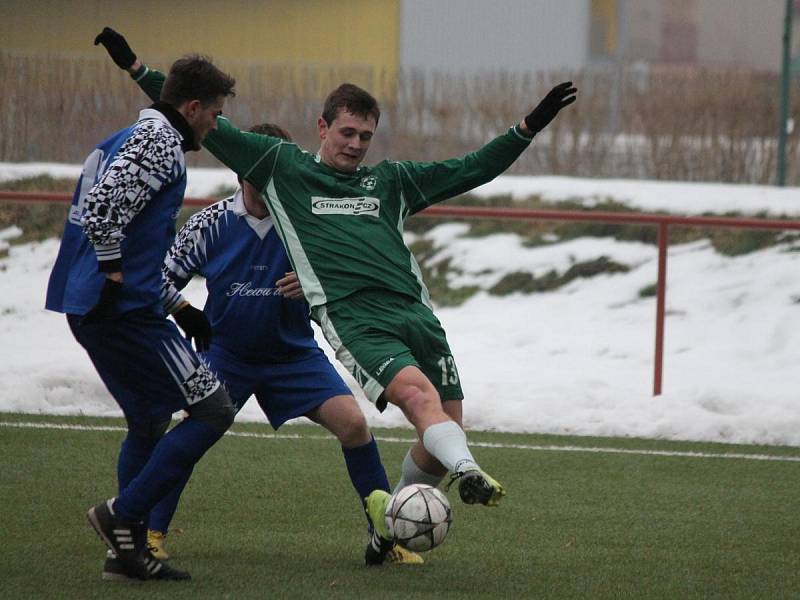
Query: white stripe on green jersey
{"x": 312, "y": 288}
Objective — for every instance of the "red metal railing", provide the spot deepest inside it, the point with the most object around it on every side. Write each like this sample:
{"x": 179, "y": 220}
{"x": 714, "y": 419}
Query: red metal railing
{"x": 50, "y": 197}
{"x": 663, "y": 222}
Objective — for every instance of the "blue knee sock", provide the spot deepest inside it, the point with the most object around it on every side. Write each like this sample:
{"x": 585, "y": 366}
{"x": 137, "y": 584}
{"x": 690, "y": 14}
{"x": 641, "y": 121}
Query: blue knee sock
{"x": 366, "y": 470}
{"x": 133, "y": 456}
{"x": 171, "y": 462}
{"x": 162, "y": 513}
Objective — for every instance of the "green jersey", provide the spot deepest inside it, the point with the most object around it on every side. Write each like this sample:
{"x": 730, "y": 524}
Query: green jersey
{"x": 344, "y": 231}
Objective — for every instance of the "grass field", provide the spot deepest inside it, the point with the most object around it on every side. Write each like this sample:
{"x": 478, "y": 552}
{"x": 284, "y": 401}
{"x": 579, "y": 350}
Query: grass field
{"x": 275, "y": 516}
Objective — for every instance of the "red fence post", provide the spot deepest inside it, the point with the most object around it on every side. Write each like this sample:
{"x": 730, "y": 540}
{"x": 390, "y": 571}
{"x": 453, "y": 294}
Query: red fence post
{"x": 661, "y": 294}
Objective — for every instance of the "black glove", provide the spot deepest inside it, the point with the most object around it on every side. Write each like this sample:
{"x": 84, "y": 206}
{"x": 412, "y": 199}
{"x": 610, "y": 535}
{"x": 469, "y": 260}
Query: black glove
{"x": 560, "y": 96}
{"x": 104, "y": 309}
{"x": 117, "y": 47}
{"x": 195, "y": 325}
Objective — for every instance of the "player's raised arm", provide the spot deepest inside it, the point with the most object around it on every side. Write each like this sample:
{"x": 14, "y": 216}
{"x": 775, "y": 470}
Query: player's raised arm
{"x": 430, "y": 182}
{"x": 238, "y": 150}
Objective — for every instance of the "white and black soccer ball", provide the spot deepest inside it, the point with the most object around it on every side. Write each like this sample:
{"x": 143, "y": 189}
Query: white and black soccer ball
{"x": 419, "y": 517}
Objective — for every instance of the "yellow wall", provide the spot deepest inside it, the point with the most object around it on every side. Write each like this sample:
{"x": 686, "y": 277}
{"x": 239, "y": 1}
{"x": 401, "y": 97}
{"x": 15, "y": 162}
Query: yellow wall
{"x": 363, "y": 33}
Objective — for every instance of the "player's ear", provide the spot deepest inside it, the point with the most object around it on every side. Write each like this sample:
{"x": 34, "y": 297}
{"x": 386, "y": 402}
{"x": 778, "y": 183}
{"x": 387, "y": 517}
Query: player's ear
{"x": 195, "y": 106}
{"x": 190, "y": 109}
{"x": 322, "y": 125}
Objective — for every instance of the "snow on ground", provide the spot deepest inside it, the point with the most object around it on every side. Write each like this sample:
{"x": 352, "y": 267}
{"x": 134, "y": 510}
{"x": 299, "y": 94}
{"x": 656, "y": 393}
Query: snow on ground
{"x": 578, "y": 360}
{"x": 649, "y": 196}
{"x": 201, "y": 182}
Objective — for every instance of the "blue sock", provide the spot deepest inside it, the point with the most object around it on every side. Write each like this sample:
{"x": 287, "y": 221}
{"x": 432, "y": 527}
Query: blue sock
{"x": 133, "y": 456}
{"x": 365, "y": 469}
{"x": 162, "y": 513}
{"x": 171, "y": 462}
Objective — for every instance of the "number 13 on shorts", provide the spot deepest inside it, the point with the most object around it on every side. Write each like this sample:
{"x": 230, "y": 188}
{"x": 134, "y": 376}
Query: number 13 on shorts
{"x": 449, "y": 371}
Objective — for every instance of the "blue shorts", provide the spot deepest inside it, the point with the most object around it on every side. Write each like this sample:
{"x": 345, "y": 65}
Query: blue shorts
{"x": 146, "y": 364}
{"x": 283, "y": 390}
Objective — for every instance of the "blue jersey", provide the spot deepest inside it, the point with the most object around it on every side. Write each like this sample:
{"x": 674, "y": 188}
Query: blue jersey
{"x": 124, "y": 210}
{"x": 241, "y": 258}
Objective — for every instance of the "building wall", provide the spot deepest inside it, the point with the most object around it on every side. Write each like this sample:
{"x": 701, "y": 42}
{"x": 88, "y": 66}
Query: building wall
{"x": 644, "y": 31}
{"x": 364, "y": 33}
{"x": 512, "y": 35}
{"x": 708, "y": 32}
{"x": 378, "y": 36}
{"x": 741, "y": 32}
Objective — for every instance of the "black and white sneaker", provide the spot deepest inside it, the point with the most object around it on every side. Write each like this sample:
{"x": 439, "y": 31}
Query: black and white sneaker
{"x": 113, "y": 570}
{"x": 126, "y": 540}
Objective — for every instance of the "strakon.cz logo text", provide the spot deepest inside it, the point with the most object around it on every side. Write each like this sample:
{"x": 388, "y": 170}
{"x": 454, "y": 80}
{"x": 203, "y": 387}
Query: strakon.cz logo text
{"x": 363, "y": 205}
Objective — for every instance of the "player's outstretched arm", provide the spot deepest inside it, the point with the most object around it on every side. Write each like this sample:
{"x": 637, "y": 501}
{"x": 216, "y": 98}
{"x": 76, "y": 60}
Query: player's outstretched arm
{"x": 559, "y": 97}
{"x": 236, "y": 149}
{"x": 427, "y": 183}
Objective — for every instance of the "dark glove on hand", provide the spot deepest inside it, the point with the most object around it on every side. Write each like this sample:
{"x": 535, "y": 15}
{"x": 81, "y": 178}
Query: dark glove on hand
{"x": 560, "y": 96}
{"x": 104, "y": 309}
{"x": 195, "y": 325}
{"x": 117, "y": 47}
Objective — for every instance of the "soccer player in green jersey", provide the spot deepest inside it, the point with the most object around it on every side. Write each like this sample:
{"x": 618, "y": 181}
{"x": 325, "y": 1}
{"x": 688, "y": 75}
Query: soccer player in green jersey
{"x": 342, "y": 225}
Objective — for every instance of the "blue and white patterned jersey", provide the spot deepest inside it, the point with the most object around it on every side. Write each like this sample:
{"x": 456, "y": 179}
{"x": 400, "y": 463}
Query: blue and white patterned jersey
{"x": 241, "y": 258}
{"x": 124, "y": 210}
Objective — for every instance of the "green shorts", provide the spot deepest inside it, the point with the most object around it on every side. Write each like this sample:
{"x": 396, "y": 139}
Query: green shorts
{"x": 375, "y": 333}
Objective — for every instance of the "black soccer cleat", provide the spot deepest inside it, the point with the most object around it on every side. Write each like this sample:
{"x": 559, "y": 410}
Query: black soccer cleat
{"x": 113, "y": 570}
{"x": 377, "y": 550}
{"x": 126, "y": 540}
{"x": 477, "y": 487}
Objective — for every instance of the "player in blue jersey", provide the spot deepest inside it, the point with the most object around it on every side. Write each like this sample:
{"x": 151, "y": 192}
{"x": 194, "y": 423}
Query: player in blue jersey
{"x": 257, "y": 337}
{"x": 107, "y": 279}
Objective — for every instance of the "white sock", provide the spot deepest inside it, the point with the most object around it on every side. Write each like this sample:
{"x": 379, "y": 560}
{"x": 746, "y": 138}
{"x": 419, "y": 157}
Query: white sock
{"x": 411, "y": 473}
{"x": 448, "y": 443}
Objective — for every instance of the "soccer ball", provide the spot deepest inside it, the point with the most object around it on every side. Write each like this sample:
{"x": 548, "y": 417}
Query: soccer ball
{"x": 419, "y": 517}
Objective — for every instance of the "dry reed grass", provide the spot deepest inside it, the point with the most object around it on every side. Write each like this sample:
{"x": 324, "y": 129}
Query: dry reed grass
{"x": 674, "y": 123}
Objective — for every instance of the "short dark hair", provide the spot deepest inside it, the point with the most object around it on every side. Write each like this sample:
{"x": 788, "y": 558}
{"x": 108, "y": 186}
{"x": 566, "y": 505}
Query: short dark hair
{"x": 194, "y": 77}
{"x": 271, "y": 129}
{"x": 354, "y": 100}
